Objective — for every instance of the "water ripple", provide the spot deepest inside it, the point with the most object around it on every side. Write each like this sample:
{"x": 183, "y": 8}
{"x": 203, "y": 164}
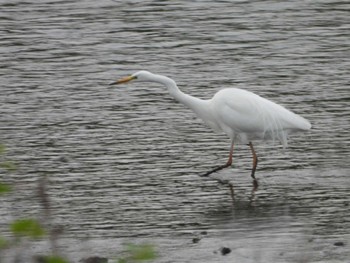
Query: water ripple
{"x": 124, "y": 162}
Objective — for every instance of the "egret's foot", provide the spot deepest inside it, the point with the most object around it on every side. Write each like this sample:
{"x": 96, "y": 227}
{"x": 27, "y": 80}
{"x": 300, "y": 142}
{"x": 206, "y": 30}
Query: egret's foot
{"x": 216, "y": 169}
{"x": 255, "y": 185}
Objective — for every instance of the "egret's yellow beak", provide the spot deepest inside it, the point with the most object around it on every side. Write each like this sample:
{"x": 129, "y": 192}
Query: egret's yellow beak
{"x": 123, "y": 80}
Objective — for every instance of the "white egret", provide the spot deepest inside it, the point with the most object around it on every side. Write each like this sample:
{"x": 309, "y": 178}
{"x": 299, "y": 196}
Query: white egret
{"x": 242, "y": 115}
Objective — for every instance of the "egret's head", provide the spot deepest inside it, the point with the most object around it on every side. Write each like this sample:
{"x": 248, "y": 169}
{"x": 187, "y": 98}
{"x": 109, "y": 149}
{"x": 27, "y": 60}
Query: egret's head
{"x": 142, "y": 75}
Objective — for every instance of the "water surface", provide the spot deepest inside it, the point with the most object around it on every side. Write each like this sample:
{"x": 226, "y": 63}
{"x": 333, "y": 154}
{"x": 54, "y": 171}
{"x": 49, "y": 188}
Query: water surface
{"x": 123, "y": 162}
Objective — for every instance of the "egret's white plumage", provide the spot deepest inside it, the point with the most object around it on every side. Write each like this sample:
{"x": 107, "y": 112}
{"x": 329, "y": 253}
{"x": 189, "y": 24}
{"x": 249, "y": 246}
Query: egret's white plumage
{"x": 242, "y": 115}
{"x": 246, "y": 116}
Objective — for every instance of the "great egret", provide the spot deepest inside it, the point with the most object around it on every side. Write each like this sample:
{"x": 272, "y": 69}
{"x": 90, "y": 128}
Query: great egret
{"x": 242, "y": 115}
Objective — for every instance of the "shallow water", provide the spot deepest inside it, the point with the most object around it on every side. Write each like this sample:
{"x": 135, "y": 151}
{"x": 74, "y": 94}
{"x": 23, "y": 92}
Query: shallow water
{"x": 123, "y": 162}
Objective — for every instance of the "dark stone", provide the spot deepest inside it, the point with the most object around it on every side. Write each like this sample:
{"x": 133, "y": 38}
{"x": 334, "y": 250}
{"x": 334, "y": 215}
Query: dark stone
{"x": 196, "y": 239}
{"x": 204, "y": 233}
{"x": 94, "y": 260}
{"x": 225, "y": 250}
{"x": 339, "y": 244}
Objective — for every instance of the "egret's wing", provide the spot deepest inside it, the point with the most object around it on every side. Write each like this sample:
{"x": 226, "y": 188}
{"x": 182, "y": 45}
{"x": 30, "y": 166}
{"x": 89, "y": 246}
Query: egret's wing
{"x": 246, "y": 112}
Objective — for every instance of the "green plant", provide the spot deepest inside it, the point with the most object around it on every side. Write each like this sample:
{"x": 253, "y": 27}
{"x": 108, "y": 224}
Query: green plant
{"x": 4, "y": 188}
{"x": 50, "y": 259}
{"x": 27, "y": 228}
{"x": 137, "y": 253}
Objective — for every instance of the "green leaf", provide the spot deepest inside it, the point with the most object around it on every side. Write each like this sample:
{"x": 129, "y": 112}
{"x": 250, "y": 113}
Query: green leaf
{"x": 27, "y": 227}
{"x": 50, "y": 259}
{"x": 9, "y": 166}
{"x": 141, "y": 252}
{"x": 4, "y": 188}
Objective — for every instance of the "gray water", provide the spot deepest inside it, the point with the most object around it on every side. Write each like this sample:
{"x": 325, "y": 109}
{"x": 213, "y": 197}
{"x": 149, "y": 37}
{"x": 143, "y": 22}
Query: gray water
{"x": 123, "y": 163}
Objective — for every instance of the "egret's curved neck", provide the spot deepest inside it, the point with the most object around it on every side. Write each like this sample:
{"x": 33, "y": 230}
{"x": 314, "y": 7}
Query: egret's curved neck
{"x": 199, "y": 106}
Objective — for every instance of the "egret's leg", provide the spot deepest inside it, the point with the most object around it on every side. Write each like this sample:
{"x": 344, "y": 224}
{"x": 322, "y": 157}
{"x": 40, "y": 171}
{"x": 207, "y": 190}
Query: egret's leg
{"x": 255, "y": 163}
{"x": 255, "y": 159}
{"x": 227, "y": 164}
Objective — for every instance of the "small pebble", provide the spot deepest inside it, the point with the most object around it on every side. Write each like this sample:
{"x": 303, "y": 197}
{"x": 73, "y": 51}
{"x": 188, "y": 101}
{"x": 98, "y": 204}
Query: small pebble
{"x": 94, "y": 260}
{"x": 196, "y": 239}
{"x": 339, "y": 244}
{"x": 225, "y": 250}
